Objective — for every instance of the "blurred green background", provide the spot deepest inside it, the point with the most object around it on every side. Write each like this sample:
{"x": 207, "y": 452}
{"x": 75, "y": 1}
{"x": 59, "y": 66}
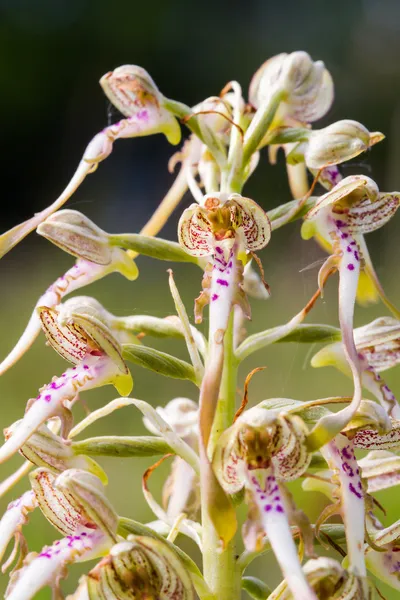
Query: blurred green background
{"x": 52, "y": 54}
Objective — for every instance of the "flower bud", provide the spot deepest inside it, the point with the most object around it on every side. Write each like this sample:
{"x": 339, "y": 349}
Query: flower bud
{"x": 46, "y": 449}
{"x": 76, "y": 234}
{"x": 140, "y": 568}
{"x": 338, "y": 143}
{"x": 134, "y": 93}
{"x": 308, "y": 85}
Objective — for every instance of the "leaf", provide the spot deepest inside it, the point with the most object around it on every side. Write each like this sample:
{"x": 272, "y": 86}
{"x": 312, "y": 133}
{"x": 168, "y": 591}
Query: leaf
{"x": 309, "y": 334}
{"x": 151, "y": 246}
{"x": 158, "y": 361}
{"x": 122, "y": 446}
{"x": 256, "y": 588}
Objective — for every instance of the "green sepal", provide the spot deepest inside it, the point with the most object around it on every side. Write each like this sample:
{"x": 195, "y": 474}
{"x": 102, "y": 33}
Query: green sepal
{"x": 158, "y": 361}
{"x": 255, "y": 588}
{"x": 122, "y": 446}
{"x": 152, "y": 246}
{"x": 309, "y": 334}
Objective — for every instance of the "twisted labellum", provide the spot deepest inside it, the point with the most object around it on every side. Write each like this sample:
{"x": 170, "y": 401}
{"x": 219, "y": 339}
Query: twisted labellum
{"x": 353, "y": 207}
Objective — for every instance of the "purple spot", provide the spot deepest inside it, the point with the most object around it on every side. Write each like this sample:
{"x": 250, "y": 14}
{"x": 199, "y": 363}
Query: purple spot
{"x": 356, "y": 256}
{"x": 350, "y": 267}
{"x": 214, "y": 297}
{"x": 340, "y": 223}
{"x": 262, "y": 497}
{"x": 349, "y": 249}
{"x": 279, "y": 509}
{"x": 354, "y": 491}
{"x": 344, "y": 236}
{"x": 47, "y": 397}
{"x": 346, "y": 453}
{"x": 223, "y": 282}
{"x": 86, "y": 367}
{"x": 277, "y": 499}
{"x": 230, "y": 265}
{"x": 218, "y": 249}
{"x": 267, "y": 507}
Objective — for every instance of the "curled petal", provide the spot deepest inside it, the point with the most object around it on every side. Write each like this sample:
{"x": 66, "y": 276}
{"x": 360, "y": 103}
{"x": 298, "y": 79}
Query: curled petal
{"x": 253, "y": 222}
{"x": 195, "y": 232}
{"x": 385, "y": 565}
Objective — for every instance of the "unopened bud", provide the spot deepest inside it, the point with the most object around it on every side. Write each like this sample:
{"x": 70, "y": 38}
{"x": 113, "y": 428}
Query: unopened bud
{"x": 76, "y": 234}
{"x": 338, "y": 143}
{"x": 307, "y": 84}
{"x": 134, "y": 93}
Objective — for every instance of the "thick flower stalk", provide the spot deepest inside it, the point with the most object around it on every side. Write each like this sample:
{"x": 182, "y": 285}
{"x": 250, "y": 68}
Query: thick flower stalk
{"x": 222, "y": 454}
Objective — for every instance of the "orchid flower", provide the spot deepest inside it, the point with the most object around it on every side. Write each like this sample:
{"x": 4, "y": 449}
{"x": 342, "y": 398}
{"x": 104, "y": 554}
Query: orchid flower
{"x": 224, "y": 227}
{"x": 78, "y": 235}
{"x": 353, "y": 207}
{"x": 75, "y": 504}
{"x": 262, "y": 449}
{"x": 139, "y": 565}
{"x": 86, "y": 341}
{"x": 134, "y": 93}
{"x": 378, "y": 348}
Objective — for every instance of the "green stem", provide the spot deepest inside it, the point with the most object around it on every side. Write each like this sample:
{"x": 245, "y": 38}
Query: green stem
{"x": 219, "y": 566}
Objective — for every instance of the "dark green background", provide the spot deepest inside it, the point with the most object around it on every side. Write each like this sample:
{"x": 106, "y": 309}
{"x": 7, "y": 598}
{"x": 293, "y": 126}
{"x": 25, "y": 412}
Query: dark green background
{"x": 52, "y": 54}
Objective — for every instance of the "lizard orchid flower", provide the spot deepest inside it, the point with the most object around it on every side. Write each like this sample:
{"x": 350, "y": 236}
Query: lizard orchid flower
{"x": 353, "y": 207}
{"x": 262, "y": 449}
{"x": 86, "y": 341}
{"x": 75, "y": 504}
{"x": 134, "y": 93}
{"x": 378, "y": 348}
{"x": 223, "y": 227}
{"x": 78, "y": 235}
{"x": 137, "y": 567}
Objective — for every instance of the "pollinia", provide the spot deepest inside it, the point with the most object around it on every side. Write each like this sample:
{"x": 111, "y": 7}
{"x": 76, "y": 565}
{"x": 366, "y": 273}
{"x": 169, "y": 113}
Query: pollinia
{"x": 222, "y": 454}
